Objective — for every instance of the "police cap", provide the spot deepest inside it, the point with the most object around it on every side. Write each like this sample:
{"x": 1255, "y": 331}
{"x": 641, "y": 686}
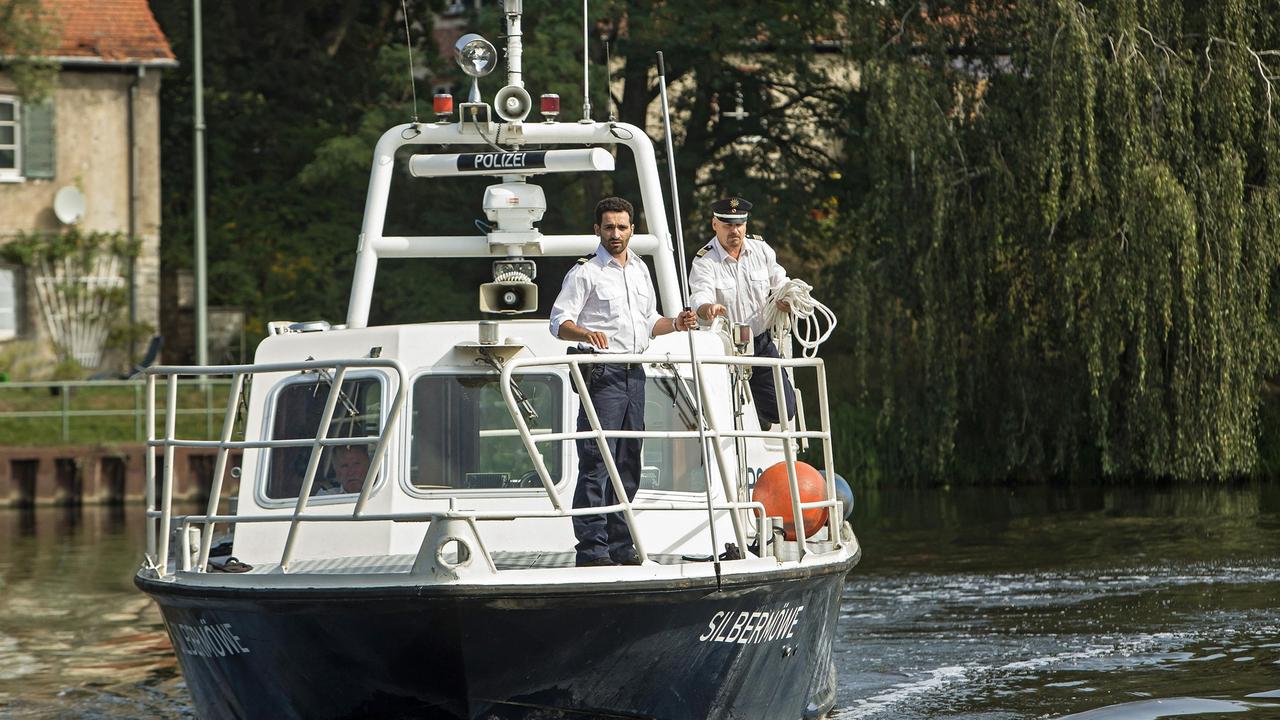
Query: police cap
{"x": 731, "y": 210}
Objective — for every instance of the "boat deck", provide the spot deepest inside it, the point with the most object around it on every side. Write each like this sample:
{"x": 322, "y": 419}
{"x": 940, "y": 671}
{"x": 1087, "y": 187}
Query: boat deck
{"x": 503, "y": 560}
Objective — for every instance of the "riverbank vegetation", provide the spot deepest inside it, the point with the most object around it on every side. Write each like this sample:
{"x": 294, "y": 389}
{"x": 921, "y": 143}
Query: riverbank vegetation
{"x": 1066, "y": 239}
{"x": 1049, "y": 229}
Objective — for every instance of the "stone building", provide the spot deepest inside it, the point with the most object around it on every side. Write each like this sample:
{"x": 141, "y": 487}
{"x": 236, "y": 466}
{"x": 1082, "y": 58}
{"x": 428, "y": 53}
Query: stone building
{"x": 88, "y": 158}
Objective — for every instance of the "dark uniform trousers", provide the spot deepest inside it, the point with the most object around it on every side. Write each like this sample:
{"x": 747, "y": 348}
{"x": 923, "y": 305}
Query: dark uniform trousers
{"x": 762, "y": 385}
{"x": 617, "y": 391}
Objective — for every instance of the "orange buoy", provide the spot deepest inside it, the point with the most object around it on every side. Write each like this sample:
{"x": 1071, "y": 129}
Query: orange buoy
{"x": 773, "y": 490}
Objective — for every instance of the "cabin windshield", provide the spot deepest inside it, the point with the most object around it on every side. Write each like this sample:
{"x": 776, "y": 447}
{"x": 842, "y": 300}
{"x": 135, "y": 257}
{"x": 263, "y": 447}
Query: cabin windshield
{"x": 670, "y": 464}
{"x": 298, "y": 409}
{"x": 463, "y": 437}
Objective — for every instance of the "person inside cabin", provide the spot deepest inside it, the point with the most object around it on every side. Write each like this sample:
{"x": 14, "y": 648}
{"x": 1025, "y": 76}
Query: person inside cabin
{"x": 350, "y": 465}
{"x": 732, "y": 276}
{"x": 607, "y": 305}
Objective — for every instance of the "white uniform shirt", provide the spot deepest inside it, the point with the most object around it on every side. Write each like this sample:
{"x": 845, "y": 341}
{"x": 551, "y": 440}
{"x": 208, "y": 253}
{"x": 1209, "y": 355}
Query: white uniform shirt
{"x": 742, "y": 285}
{"x": 603, "y": 296}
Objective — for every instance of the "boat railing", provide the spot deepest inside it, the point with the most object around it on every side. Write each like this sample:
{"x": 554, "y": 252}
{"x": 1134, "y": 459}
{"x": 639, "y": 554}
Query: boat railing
{"x": 161, "y": 518}
{"x": 710, "y": 433}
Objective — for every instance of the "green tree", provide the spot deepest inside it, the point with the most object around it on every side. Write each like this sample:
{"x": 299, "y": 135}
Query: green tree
{"x": 295, "y": 100}
{"x": 1067, "y": 242}
{"x": 27, "y": 33}
{"x": 282, "y": 82}
{"x": 782, "y": 59}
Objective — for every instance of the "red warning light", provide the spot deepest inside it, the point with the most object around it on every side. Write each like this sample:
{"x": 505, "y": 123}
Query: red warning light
{"x": 550, "y": 106}
{"x": 443, "y": 106}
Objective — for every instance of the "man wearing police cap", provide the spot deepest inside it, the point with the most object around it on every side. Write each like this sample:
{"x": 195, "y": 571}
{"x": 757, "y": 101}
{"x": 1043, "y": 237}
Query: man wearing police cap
{"x": 732, "y": 276}
{"x": 607, "y": 305}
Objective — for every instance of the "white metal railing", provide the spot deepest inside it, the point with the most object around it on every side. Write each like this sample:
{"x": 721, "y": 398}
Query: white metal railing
{"x": 65, "y": 401}
{"x": 710, "y": 433}
{"x": 161, "y": 518}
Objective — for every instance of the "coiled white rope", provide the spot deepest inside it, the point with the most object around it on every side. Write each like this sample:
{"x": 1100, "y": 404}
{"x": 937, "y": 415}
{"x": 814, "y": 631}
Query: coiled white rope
{"x": 818, "y": 319}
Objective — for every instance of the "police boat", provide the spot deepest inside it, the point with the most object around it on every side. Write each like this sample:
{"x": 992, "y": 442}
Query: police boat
{"x": 437, "y": 579}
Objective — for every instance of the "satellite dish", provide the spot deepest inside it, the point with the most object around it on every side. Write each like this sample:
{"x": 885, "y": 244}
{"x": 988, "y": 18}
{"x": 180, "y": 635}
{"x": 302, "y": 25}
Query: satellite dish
{"x": 68, "y": 205}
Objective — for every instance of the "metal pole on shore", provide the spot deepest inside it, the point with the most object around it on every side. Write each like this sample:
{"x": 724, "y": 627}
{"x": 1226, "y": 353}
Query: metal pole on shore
{"x": 202, "y": 297}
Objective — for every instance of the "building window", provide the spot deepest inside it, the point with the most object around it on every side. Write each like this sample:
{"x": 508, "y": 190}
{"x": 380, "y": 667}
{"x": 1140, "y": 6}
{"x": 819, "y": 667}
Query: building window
{"x": 10, "y": 139}
{"x": 26, "y": 139}
{"x": 9, "y": 290}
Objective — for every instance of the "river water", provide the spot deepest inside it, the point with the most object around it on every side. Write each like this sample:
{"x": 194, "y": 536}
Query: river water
{"x": 1107, "y": 603}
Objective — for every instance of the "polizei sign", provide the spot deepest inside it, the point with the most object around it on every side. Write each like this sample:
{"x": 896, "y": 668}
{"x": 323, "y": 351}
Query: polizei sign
{"x": 511, "y": 163}
{"x": 470, "y": 162}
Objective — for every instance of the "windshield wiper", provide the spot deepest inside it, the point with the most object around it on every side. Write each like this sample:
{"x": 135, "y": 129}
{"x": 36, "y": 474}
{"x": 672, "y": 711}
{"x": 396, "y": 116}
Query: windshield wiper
{"x": 522, "y": 400}
{"x": 346, "y": 401}
{"x": 681, "y": 399}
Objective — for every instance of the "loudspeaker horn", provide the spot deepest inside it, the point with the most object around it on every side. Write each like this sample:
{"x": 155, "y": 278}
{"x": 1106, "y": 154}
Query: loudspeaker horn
{"x": 512, "y": 103}
{"x": 508, "y": 298}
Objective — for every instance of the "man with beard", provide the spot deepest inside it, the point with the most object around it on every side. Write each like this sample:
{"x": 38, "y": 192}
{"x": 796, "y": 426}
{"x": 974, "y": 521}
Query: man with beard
{"x": 608, "y": 306}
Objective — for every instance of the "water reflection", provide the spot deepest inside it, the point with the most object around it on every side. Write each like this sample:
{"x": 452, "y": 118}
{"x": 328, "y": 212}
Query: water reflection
{"x": 68, "y": 520}
{"x": 1015, "y": 603}
{"x": 1172, "y": 707}
{"x": 26, "y": 521}
{"x": 1102, "y": 602}
{"x": 76, "y": 639}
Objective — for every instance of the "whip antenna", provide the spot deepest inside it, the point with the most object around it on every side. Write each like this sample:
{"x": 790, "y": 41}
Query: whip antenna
{"x": 684, "y": 295}
{"x": 408, "y": 43}
{"x": 586, "y": 61}
{"x": 608, "y": 82}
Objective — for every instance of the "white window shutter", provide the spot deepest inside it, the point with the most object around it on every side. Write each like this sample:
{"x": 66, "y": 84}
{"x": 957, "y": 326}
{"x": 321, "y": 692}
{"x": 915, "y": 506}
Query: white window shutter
{"x": 8, "y": 303}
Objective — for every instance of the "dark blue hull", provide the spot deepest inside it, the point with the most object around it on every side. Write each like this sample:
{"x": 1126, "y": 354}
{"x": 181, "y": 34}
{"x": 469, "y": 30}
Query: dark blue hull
{"x": 756, "y": 648}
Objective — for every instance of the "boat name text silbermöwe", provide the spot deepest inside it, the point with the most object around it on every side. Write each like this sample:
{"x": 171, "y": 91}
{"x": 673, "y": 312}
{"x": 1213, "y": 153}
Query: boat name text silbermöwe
{"x": 205, "y": 640}
{"x": 513, "y": 160}
{"x": 752, "y": 628}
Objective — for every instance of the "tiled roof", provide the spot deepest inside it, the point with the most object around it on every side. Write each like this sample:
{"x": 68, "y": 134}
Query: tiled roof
{"x": 113, "y": 31}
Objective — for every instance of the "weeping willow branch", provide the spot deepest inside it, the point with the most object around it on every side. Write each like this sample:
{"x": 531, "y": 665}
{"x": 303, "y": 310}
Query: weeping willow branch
{"x": 1267, "y": 75}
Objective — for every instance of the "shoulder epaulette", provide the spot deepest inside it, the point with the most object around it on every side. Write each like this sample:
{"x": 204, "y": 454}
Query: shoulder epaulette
{"x": 756, "y": 237}
{"x": 585, "y": 259}
{"x": 705, "y": 249}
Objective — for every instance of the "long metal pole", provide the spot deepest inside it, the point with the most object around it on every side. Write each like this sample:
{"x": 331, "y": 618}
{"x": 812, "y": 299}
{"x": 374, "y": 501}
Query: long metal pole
{"x": 202, "y": 297}
{"x": 586, "y": 65}
{"x": 684, "y": 296}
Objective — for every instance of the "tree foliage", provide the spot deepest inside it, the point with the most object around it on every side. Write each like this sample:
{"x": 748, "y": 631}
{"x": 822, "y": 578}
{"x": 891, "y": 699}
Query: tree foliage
{"x": 294, "y": 106}
{"x": 1049, "y": 228}
{"x": 26, "y": 35}
{"x": 1067, "y": 239}
{"x": 285, "y": 84}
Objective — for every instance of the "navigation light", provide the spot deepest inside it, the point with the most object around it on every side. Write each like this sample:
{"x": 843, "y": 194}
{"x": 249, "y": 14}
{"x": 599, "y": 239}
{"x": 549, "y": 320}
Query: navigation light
{"x": 442, "y": 104}
{"x": 550, "y": 106}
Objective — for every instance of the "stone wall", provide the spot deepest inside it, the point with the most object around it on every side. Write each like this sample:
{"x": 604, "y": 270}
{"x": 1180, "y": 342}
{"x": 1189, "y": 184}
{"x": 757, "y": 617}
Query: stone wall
{"x": 96, "y": 474}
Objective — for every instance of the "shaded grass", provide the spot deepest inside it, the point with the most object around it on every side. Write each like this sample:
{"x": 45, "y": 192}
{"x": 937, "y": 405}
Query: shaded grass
{"x": 52, "y": 414}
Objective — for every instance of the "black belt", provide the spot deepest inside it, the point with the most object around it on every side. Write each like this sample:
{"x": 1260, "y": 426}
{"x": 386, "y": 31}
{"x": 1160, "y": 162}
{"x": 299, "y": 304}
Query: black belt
{"x": 575, "y": 350}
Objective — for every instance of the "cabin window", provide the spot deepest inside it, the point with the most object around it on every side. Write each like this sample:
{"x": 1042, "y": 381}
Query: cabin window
{"x": 674, "y": 464}
{"x": 464, "y": 437}
{"x": 299, "y": 407}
